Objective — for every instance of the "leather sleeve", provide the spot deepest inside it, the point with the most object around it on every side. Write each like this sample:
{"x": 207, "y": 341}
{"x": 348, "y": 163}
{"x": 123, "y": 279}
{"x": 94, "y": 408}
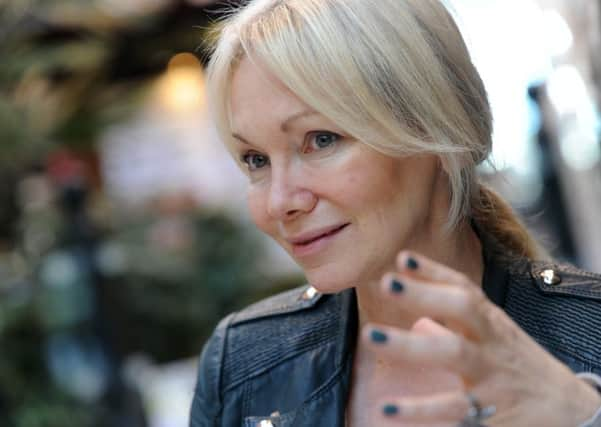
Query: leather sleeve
{"x": 207, "y": 403}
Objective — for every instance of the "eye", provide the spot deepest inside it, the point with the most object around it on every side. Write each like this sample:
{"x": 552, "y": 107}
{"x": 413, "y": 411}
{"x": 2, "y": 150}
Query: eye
{"x": 319, "y": 141}
{"x": 254, "y": 161}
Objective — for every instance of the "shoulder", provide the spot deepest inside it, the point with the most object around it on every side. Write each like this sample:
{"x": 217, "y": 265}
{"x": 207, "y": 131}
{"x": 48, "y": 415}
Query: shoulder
{"x": 288, "y": 302}
{"x": 560, "y": 306}
{"x": 249, "y": 342}
{"x": 277, "y": 329}
{"x": 558, "y": 279}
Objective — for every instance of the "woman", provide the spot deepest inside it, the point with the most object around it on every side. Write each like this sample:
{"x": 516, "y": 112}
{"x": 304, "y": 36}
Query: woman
{"x": 360, "y": 125}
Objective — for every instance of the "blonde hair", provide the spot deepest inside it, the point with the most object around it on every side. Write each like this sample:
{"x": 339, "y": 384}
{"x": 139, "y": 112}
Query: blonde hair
{"x": 395, "y": 74}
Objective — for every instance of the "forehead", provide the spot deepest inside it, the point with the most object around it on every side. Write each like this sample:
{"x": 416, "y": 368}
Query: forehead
{"x": 258, "y": 96}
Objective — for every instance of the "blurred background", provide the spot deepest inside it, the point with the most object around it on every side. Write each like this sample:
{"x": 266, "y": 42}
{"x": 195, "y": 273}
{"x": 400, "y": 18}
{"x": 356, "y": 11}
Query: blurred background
{"x": 124, "y": 235}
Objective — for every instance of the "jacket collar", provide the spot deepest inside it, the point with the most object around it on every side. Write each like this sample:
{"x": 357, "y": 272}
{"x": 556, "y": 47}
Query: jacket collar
{"x": 496, "y": 272}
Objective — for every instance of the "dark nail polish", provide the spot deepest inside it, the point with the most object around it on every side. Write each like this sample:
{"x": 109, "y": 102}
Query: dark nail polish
{"x": 412, "y": 264}
{"x": 378, "y": 336}
{"x": 390, "y": 410}
{"x": 397, "y": 287}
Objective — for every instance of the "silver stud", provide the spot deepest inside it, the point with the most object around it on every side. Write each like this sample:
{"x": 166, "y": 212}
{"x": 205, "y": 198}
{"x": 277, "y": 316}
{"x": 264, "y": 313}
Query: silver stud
{"x": 550, "y": 277}
{"x": 265, "y": 423}
{"x": 310, "y": 293}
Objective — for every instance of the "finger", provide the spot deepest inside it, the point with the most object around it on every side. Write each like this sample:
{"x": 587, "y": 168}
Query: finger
{"x": 461, "y": 309}
{"x": 427, "y": 326}
{"x": 449, "y": 351}
{"x": 422, "y": 267}
{"x": 448, "y": 406}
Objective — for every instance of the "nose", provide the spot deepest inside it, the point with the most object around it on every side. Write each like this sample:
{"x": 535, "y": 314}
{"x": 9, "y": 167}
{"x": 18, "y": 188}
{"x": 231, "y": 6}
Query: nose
{"x": 288, "y": 196}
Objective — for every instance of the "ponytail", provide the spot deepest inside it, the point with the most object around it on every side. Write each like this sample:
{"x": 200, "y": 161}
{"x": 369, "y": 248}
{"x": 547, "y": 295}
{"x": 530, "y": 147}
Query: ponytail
{"x": 494, "y": 216}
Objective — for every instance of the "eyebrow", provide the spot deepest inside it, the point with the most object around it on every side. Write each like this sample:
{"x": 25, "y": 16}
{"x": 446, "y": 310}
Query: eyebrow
{"x": 239, "y": 138}
{"x": 285, "y": 126}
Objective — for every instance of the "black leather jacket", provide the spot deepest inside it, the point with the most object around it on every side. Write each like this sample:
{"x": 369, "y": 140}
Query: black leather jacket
{"x": 287, "y": 360}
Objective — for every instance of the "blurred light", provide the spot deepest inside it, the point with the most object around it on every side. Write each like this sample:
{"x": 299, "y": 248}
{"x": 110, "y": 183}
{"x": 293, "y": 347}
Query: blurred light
{"x": 166, "y": 389}
{"x": 182, "y": 88}
{"x": 567, "y": 90}
{"x": 559, "y": 37}
{"x": 580, "y": 149}
{"x": 112, "y": 259}
{"x": 59, "y": 270}
{"x": 79, "y": 367}
{"x": 508, "y": 62}
{"x": 578, "y": 137}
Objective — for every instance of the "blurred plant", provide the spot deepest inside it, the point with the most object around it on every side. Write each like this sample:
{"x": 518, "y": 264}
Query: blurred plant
{"x": 27, "y": 395}
{"x": 177, "y": 271}
{"x": 69, "y": 68}
{"x": 83, "y": 286}
{"x": 75, "y": 300}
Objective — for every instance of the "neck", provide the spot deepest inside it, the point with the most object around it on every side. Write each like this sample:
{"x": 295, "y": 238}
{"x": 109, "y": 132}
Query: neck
{"x": 461, "y": 251}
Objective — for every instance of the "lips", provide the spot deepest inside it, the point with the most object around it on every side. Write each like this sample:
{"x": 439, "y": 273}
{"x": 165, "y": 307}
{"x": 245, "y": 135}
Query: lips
{"x": 310, "y": 237}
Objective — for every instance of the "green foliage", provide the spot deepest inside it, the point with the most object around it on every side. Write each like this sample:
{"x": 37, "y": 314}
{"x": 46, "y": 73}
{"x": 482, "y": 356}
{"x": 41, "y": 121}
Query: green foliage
{"x": 68, "y": 71}
{"x": 55, "y": 410}
{"x": 27, "y": 396}
{"x": 171, "y": 298}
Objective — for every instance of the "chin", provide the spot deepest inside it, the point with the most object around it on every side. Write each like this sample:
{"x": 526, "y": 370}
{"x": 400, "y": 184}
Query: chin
{"x": 327, "y": 281}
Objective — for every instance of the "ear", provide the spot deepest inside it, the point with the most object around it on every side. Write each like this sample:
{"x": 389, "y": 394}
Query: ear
{"x": 443, "y": 165}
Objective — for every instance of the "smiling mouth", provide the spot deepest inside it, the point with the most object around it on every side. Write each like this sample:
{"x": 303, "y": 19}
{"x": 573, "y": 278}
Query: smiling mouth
{"x": 329, "y": 233}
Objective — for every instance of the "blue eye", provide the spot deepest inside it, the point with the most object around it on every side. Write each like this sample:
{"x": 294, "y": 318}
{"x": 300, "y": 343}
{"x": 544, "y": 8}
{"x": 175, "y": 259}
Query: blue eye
{"x": 320, "y": 141}
{"x": 254, "y": 161}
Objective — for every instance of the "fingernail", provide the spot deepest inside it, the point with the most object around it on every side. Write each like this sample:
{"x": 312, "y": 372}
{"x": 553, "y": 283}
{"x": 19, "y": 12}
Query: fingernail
{"x": 412, "y": 263}
{"x": 390, "y": 410}
{"x": 378, "y": 336}
{"x": 397, "y": 287}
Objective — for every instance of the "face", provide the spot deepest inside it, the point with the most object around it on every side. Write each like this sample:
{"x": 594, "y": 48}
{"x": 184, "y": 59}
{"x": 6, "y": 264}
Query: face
{"x": 341, "y": 209}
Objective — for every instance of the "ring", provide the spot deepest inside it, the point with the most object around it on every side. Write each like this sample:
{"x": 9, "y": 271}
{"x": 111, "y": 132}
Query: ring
{"x": 476, "y": 413}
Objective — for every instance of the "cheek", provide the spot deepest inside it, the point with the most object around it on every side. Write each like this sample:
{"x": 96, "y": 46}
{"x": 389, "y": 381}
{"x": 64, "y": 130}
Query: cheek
{"x": 257, "y": 206}
{"x": 383, "y": 196}
{"x": 366, "y": 188}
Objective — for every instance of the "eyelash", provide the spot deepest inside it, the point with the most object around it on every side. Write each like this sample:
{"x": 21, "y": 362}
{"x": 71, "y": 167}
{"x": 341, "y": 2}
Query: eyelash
{"x": 313, "y": 137}
{"x": 247, "y": 158}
